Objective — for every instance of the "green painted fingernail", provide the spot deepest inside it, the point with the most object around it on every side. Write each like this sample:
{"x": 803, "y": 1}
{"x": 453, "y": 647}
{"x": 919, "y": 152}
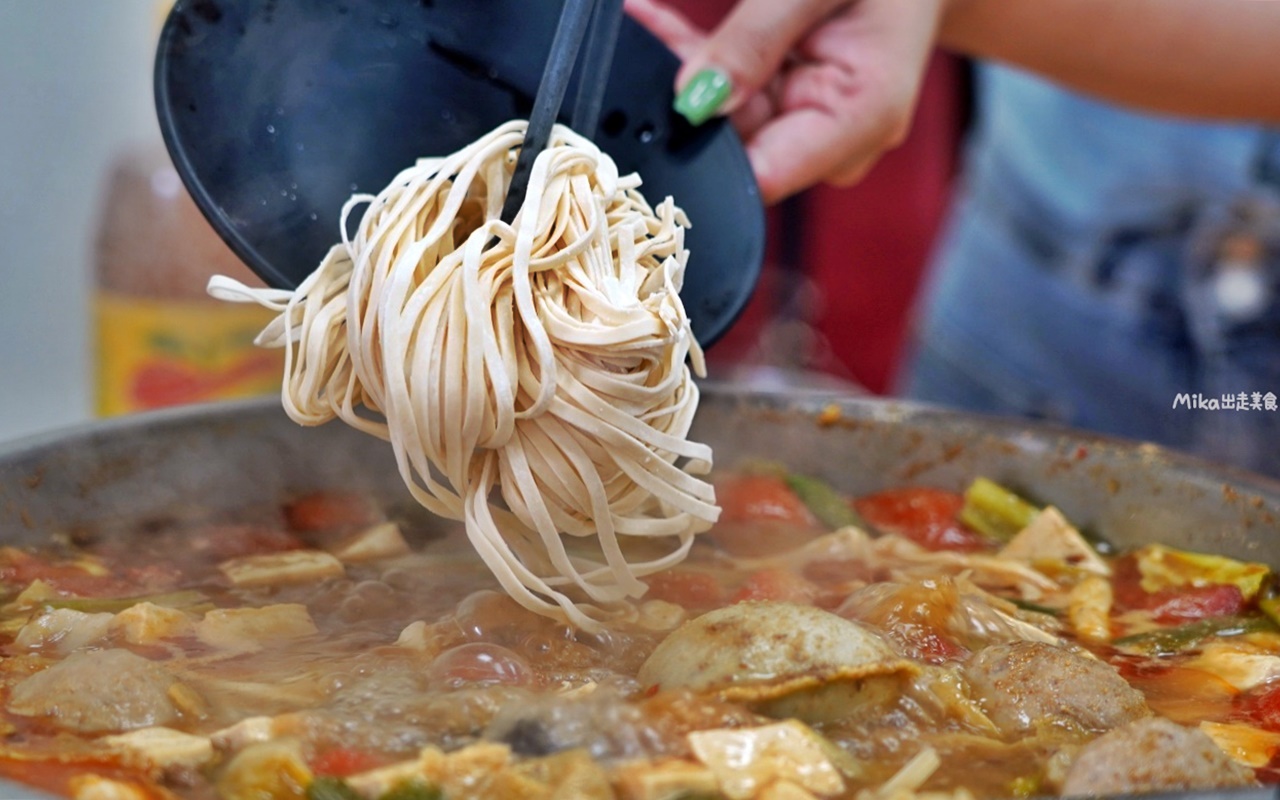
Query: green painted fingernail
{"x": 702, "y": 96}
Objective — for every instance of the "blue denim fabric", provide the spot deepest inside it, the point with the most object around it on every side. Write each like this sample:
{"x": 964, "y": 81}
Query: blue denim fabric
{"x": 1075, "y": 281}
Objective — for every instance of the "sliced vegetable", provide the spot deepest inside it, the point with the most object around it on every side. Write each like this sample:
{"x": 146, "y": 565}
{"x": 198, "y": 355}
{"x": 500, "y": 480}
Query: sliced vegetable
{"x": 186, "y": 599}
{"x": 163, "y": 748}
{"x": 1269, "y": 599}
{"x": 1089, "y": 609}
{"x": 1054, "y": 546}
{"x": 690, "y": 589}
{"x": 273, "y": 769}
{"x": 1185, "y": 695}
{"x": 1246, "y": 744}
{"x": 1026, "y": 786}
{"x": 760, "y": 498}
{"x": 329, "y": 510}
{"x": 995, "y": 511}
{"x": 293, "y": 566}
{"x": 745, "y": 761}
{"x": 1197, "y": 602}
{"x": 776, "y": 584}
{"x": 1027, "y": 605}
{"x": 1262, "y": 707}
{"x": 339, "y": 762}
{"x": 250, "y": 629}
{"x": 829, "y": 506}
{"x": 1238, "y": 662}
{"x": 413, "y": 790}
{"x": 1167, "y": 641}
{"x": 330, "y": 788}
{"x": 1164, "y": 567}
{"x": 926, "y": 516}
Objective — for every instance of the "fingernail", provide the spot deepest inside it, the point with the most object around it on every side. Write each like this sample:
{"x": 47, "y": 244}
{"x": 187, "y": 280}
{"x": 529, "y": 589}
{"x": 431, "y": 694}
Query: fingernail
{"x": 703, "y": 96}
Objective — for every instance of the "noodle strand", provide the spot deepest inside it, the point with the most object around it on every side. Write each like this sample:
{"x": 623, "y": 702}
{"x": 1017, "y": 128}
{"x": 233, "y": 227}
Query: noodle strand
{"x": 535, "y": 380}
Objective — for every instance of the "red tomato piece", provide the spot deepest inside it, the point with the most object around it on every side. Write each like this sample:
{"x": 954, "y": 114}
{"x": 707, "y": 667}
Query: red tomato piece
{"x": 1126, "y": 584}
{"x": 323, "y": 511}
{"x": 776, "y": 584}
{"x": 18, "y": 569}
{"x": 757, "y": 498}
{"x": 343, "y": 761}
{"x": 235, "y": 541}
{"x": 689, "y": 589}
{"x": 1179, "y": 604}
{"x": 1196, "y": 602}
{"x": 937, "y": 648}
{"x": 923, "y": 515}
{"x": 1261, "y": 707}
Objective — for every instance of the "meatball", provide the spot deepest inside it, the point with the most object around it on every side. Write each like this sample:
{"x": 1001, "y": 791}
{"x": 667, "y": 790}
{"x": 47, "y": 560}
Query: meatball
{"x": 1152, "y": 755}
{"x": 98, "y": 690}
{"x": 1025, "y": 686}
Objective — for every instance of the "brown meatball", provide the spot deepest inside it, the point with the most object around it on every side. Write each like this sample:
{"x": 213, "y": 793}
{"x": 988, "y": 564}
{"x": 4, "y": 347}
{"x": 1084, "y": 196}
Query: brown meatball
{"x": 1152, "y": 755}
{"x": 98, "y": 690}
{"x": 1025, "y": 686}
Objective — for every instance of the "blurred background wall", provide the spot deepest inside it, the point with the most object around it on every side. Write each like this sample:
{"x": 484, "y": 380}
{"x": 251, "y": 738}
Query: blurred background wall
{"x": 75, "y": 89}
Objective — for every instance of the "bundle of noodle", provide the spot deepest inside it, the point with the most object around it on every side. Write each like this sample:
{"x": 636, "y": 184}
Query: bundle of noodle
{"x": 531, "y": 378}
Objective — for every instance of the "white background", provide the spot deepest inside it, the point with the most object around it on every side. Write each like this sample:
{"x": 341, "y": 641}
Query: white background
{"x": 75, "y": 90}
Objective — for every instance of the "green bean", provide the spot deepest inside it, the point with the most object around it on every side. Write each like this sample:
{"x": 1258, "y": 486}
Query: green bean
{"x": 829, "y": 506}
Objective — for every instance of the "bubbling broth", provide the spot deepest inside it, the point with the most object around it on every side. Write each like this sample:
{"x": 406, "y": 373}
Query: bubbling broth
{"x": 913, "y": 642}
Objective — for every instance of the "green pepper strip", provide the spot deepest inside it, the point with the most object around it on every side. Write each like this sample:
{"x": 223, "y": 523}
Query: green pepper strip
{"x": 330, "y": 788}
{"x": 413, "y": 790}
{"x": 182, "y": 599}
{"x": 829, "y": 506}
{"x": 1168, "y": 641}
{"x": 1269, "y": 599}
{"x": 1027, "y": 605}
{"x": 994, "y": 511}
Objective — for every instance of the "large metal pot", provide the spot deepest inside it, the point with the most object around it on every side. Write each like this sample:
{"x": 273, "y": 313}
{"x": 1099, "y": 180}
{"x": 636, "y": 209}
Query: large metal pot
{"x": 228, "y": 455}
{"x": 211, "y": 458}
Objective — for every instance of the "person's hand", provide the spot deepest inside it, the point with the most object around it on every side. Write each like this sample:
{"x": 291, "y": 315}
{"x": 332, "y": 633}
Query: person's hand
{"x": 818, "y": 89}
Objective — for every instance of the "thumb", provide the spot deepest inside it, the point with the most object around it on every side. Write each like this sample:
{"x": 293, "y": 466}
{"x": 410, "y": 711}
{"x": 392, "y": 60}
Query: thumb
{"x": 744, "y": 53}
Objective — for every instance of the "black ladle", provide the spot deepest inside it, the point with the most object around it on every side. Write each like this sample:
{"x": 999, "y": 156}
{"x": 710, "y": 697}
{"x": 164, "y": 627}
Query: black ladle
{"x": 276, "y": 111}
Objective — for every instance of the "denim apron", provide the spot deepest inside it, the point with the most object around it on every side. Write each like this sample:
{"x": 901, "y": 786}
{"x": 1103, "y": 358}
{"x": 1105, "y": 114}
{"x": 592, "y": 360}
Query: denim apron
{"x": 1112, "y": 271}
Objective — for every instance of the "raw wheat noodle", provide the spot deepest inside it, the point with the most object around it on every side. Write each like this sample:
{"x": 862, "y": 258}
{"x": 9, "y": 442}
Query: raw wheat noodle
{"x": 545, "y": 363}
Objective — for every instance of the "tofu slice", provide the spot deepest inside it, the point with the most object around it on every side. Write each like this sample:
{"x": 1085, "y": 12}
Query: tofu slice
{"x": 746, "y": 760}
{"x": 250, "y": 629}
{"x": 273, "y": 569}
{"x": 162, "y": 748}
{"x": 383, "y": 540}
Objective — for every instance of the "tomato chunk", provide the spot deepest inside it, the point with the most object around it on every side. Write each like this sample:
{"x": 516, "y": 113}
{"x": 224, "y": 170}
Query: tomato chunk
{"x": 1180, "y": 604}
{"x": 690, "y": 589}
{"x": 1196, "y": 602}
{"x": 1261, "y": 707}
{"x": 776, "y": 584}
{"x": 234, "y": 541}
{"x": 925, "y": 516}
{"x": 323, "y": 511}
{"x": 343, "y": 761}
{"x": 754, "y": 498}
{"x": 84, "y": 577}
